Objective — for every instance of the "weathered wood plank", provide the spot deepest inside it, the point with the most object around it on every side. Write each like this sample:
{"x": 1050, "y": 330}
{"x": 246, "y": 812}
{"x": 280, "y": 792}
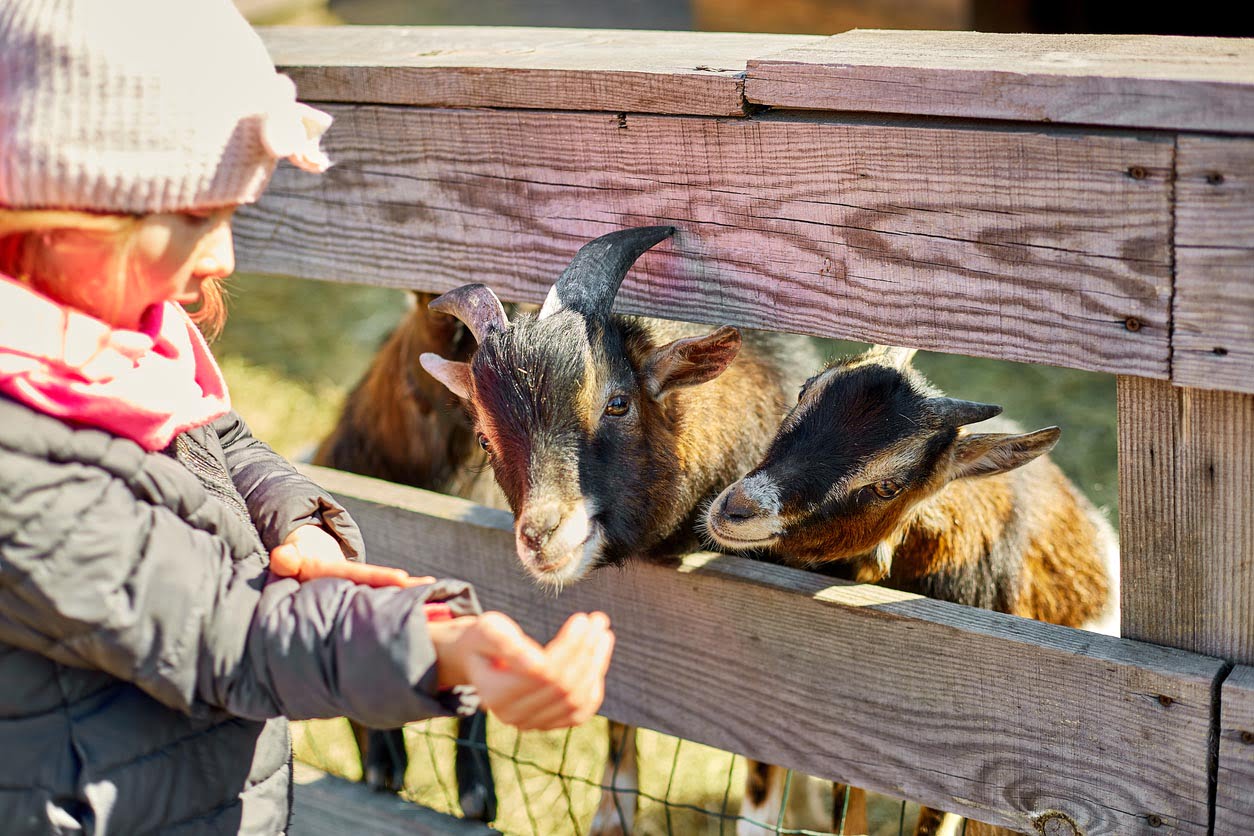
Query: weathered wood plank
{"x": 1143, "y": 81}
{"x": 1234, "y": 795}
{"x": 1015, "y": 244}
{"x": 324, "y": 805}
{"x": 988, "y": 715}
{"x": 1213, "y": 334}
{"x": 1186, "y": 475}
{"x": 564, "y": 69}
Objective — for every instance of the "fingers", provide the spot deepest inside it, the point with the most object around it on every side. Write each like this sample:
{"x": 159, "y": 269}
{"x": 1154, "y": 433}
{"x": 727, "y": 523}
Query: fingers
{"x": 499, "y": 638}
{"x": 285, "y": 561}
{"x": 313, "y": 541}
{"x": 566, "y": 687}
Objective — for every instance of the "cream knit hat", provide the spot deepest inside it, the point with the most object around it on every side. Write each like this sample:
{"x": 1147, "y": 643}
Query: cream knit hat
{"x": 141, "y": 106}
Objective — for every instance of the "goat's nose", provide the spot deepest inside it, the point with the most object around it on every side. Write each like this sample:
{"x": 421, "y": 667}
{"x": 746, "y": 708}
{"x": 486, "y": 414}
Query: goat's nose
{"x": 538, "y": 525}
{"x": 737, "y": 505}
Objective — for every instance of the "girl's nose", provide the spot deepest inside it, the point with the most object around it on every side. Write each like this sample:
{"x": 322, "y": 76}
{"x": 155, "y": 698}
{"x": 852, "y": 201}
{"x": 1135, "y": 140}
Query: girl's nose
{"x": 217, "y": 258}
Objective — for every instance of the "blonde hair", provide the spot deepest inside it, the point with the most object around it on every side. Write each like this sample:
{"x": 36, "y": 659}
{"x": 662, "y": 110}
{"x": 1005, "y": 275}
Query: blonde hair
{"x": 28, "y": 236}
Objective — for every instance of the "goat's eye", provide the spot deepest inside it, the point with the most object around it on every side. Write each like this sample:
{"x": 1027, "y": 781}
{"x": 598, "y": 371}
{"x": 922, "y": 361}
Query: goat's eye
{"x": 886, "y": 489}
{"x": 483, "y": 442}
{"x": 801, "y": 393}
{"x": 617, "y": 405}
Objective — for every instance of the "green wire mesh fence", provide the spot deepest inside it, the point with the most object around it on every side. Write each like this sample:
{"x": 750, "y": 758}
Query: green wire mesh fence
{"x": 551, "y": 783}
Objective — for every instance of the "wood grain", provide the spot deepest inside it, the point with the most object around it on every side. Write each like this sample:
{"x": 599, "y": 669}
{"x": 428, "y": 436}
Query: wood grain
{"x": 1015, "y": 244}
{"x": 988, "y": 715}
{"x": 1186, "y": 476}
{"x": 324, "y": 805}
{"x": 1144, "y": 81}
{"x": 1234, "y": 796}
{"x": 565, "y": 69}
{"x": 1213, "y": 335}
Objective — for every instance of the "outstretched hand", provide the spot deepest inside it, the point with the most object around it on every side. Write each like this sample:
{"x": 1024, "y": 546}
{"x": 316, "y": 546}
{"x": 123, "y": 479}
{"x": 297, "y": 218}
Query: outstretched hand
{"x": 525, "y": 685}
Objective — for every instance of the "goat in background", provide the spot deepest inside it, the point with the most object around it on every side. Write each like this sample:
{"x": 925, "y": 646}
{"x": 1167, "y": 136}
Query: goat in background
{"x": 401, "y": 425}
{"x": 873, "y": 478}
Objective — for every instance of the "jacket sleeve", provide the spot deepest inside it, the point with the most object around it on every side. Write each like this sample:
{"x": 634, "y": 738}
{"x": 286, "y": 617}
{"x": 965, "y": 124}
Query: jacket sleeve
{"x": 93, "y": 575}
{"x": 278, "y": 497}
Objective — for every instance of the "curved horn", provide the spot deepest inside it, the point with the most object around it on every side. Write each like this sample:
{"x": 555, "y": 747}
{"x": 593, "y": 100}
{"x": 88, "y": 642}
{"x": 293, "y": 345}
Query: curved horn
{"x": 476, "y": 305}
{"x": 957, "y": 413}
{"x": 589, "y": 284}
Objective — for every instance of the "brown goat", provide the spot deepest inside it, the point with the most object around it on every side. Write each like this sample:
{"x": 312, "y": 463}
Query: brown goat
{"x": 872, "y": 478}
{"x": 401, "y": 425}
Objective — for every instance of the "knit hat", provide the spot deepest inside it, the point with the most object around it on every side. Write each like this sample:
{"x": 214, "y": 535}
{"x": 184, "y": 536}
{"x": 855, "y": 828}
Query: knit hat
{"x": 138, "y": 106}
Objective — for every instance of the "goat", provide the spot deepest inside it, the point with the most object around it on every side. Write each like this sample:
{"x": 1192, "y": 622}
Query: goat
{"x": 608, "y": 433}
{"x": 871, "y": 477}
{"x": 399, "y": 424}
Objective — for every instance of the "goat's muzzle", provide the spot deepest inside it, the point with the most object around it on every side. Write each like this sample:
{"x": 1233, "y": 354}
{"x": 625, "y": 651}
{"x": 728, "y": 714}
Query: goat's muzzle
{"x": 746, "y": 514}
{"x": 557, "y": 542}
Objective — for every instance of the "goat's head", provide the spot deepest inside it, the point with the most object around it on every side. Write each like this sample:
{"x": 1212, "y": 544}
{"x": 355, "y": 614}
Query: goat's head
{"x": 868, "y": 440}
{"x": 571, "y": 406}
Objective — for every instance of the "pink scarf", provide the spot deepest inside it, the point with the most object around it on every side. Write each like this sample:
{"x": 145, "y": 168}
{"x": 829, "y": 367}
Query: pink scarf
{"x": 147, "y": 385}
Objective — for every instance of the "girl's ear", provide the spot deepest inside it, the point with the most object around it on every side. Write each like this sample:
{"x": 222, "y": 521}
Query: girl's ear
{"x": 690, "y": 361}
{"x": 983, "y": 454}
{"x": 453, "y": 374}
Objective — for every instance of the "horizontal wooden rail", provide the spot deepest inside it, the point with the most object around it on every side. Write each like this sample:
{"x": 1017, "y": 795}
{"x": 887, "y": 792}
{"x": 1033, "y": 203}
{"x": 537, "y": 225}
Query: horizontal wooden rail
{"x": 560, "y": 69}
{"x": 992, "y": 716}
{"x": 1140, "y": 81}
{"x": 1005, "y": 243}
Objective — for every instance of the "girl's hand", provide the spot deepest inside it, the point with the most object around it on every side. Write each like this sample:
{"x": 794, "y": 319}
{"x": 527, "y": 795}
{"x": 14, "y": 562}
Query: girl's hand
{"x": 309, "y": 552}
{"x": 523, "y": 684}
{"x": 313, "y": 541}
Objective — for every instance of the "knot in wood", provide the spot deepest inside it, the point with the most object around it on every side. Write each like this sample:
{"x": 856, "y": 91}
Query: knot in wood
{"x": 1056, "y": 823}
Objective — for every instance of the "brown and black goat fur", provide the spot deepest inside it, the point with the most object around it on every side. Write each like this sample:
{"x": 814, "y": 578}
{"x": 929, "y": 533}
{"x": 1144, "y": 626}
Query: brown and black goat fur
{"x": 981, "y": 519}
{"x": 400, "y": 424}
{"x": 608, "y": 433}
{"x": 651, "y": 470}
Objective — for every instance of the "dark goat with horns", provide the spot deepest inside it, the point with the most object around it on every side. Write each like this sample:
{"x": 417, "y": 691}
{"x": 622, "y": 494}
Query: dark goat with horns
{"x": 586, "y": 415}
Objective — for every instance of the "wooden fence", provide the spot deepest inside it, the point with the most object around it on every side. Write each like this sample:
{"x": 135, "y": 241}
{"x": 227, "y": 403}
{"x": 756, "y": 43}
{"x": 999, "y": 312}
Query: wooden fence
{"x": 1077, "y": 201}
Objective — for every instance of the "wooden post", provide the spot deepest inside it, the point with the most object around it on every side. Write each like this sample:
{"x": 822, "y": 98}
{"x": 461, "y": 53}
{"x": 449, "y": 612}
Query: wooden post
{"x": 1186, "y": 475}
{"x": 1234, "y": 795}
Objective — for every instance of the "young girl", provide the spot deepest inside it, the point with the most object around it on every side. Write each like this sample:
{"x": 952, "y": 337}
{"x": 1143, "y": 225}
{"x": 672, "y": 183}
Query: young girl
{"x": 147, "y": 656}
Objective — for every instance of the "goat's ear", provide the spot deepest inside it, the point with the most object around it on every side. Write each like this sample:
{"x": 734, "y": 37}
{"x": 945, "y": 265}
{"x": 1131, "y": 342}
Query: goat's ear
{"x": 452, "y": 373}
{"x": 690, "y": 361}
{"x": 983, "y": 454}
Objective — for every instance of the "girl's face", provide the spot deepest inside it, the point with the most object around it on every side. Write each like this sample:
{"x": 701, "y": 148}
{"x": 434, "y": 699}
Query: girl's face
{"x": 171, "y": 254}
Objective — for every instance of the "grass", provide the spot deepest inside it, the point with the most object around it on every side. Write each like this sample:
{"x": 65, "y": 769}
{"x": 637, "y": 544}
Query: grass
{"x": 549, "y": 782}
{"x": 290, "y": 352}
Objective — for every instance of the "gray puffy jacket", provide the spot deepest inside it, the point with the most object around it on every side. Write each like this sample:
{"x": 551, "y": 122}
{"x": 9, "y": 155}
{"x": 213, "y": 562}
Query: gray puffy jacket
{"x": 146, "y": 658}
